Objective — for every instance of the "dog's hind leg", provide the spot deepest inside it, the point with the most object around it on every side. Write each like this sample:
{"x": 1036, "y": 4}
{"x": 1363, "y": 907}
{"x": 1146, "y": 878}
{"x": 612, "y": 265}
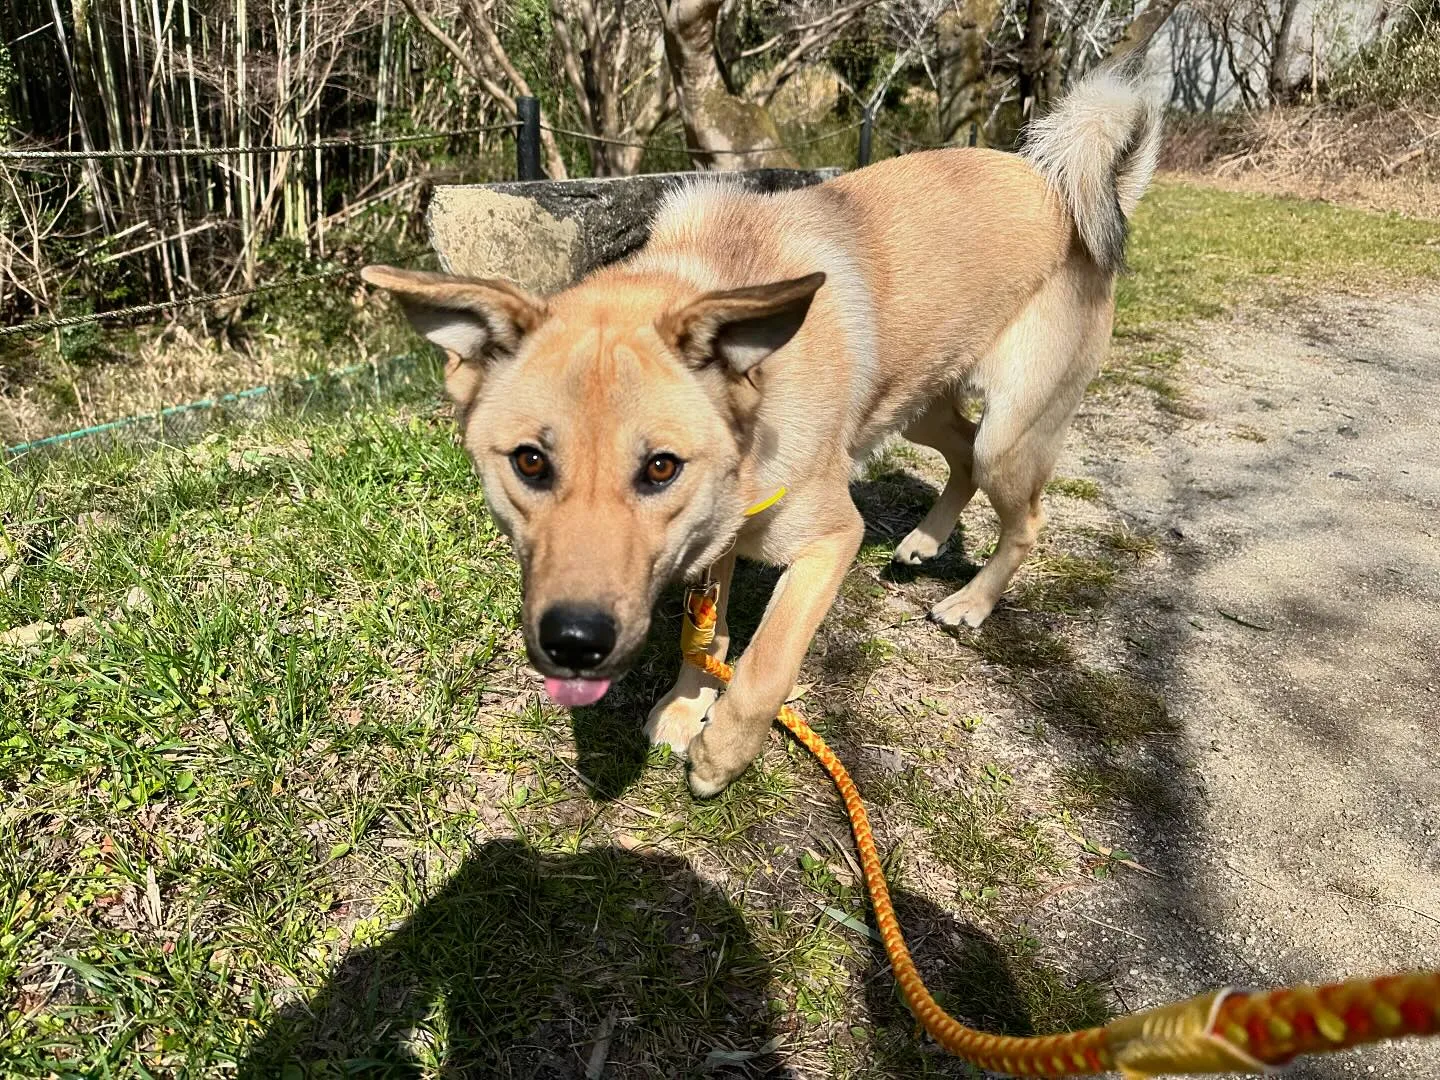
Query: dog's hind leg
{"x": 1032, "y": 381}
{"x": 679, "y": 715}
{"x": 945, "y": 428}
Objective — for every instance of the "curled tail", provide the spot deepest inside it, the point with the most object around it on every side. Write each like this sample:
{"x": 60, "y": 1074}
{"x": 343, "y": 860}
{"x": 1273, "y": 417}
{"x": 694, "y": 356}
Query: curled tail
{"x": 1098, "y": 148}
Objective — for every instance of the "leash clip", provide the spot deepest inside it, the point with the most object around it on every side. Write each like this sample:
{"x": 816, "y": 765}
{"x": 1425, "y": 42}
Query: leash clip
{"x": 697, "y": 628}
{"x": 702, "y": 600}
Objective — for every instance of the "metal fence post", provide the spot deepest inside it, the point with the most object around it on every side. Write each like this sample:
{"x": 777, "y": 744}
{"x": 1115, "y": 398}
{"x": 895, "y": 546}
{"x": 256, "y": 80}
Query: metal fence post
{"x": 867, "y": 129}
{"x": 527, "y": 139}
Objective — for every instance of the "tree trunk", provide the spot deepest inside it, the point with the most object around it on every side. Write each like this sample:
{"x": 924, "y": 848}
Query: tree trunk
{"x": 491, "y": 55}
{"x": 1142, "y": 28}
{"x": 960, "y": 56}
{"x": 1282, "y": 53}
{"x": 724, "y": 131}
{"x": 1034, "y": 57}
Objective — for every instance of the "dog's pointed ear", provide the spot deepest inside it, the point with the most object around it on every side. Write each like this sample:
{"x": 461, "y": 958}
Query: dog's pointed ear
{"x": 738, "y": 328}
{"x": 474, "y": 320}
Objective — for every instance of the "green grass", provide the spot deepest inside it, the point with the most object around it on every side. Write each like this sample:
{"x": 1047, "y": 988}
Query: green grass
{"x": 287, "y": 719}
{"x": 1074, "y": 487}
{"x": 1123, "y": 540}
{"x": 282, "y": 749}
{"x": 89, "y": 374}
{"x": 1065, "y": 582}
{"x": 1197, "y": 251}
{"x": 977, "y": 833}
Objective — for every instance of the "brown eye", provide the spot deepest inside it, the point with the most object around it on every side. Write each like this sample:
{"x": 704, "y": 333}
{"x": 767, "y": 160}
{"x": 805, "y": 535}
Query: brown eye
{"x": 660, "y": 470}
{"x": 531, "y": 465}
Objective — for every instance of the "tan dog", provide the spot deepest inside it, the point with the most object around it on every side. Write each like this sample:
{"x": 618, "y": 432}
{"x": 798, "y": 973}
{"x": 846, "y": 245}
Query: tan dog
{"x": 622, "y": 426}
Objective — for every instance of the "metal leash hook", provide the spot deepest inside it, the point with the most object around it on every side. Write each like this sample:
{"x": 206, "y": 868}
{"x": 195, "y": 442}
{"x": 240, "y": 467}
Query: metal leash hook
{"x": 704, "y": 596}
{"x": 703, "y": 599}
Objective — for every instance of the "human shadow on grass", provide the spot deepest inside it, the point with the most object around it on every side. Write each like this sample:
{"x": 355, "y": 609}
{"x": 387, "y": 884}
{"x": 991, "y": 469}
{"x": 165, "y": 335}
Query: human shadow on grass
{"x": 520, "y": 965}
{"x": 537, "y": 966}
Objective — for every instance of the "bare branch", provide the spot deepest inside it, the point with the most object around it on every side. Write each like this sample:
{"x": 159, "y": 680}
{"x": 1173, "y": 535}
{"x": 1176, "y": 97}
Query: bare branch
{"x": 570, "y": 62}
{"x": 820, "y": 33}
{"x": 1136, "y": 37}
{"x": 463, "y": 58}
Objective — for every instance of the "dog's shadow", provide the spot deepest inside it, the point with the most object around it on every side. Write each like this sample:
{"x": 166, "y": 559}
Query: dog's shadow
{"x": 548, "y": 966}
{"x": 610, "y": 744}
{"x": 892, "y": 503}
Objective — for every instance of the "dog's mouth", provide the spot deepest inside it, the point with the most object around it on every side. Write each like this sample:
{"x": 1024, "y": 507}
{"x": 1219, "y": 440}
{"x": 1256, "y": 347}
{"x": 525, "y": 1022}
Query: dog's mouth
{"x": 581, "y": 650}
{"x": 584, "y": 679}
{"x": 577, "y": 692}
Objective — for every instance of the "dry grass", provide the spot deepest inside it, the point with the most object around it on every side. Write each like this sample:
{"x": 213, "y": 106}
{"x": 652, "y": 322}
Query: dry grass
{"x": 1374, "y": 159}
{"x": 174, "y": 368}
{"x": 62, "y": 381}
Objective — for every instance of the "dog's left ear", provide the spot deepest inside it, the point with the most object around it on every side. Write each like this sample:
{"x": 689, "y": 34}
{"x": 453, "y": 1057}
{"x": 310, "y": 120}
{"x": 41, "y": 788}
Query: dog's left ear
{"x": 739, "y": 327}
{"x": 476, "y": 321}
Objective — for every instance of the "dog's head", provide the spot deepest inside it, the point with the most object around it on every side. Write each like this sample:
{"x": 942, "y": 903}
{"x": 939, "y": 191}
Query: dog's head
{"x": 608, "y": 424}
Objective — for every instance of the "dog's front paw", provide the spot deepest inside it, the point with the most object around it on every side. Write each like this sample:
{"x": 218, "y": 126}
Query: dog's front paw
{"x": 710, "y": 768}
{"x": 917, "y": 548}
{"x": 676, "y": 719}
{"x": 968, "y": 607}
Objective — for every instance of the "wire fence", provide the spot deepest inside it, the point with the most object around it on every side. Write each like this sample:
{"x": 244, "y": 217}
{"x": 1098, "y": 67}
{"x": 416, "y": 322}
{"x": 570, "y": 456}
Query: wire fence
{"x": 772, "y": 148}
{"x": 525, "y": 133}
{"x": 174, "y": 420}
{"x": 526, "y": 136}
{"x": 121, "y": 314}
{"x": 905, "y": 146}
{"x": 335, "y": 143}
{"x": 362, "y": 142}
{"x": 139, "y": 310}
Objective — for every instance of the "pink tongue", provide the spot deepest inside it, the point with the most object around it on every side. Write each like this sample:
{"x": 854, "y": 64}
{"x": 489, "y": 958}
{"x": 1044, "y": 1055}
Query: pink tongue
{"x": 576, "y": 692}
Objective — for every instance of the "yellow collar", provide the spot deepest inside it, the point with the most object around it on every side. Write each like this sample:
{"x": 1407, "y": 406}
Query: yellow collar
{"x": 766, "y": 503}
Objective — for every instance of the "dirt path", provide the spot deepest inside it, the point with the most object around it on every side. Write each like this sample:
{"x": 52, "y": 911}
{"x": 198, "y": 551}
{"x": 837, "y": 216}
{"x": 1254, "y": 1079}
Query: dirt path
{"x": 1293, "y": 619}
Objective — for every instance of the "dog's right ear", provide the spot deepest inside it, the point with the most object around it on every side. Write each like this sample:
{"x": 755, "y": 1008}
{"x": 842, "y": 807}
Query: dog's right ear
{"x": 474, "y": 320}
{"x": 738, "y": 328}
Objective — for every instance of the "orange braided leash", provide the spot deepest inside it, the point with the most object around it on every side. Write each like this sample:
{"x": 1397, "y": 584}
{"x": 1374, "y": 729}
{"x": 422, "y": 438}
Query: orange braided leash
{"x": 1223, "y": 1031}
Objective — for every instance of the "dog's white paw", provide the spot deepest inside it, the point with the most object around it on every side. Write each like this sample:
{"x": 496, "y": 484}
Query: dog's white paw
{"x": 967, "y": 607}
{"x": 676, "y": 720}
{"x": 917, "y": 548}
{"x": 709, "y": 772}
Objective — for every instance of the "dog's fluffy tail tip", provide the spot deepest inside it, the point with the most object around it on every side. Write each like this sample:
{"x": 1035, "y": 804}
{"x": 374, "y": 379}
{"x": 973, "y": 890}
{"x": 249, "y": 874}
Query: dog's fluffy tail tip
{"x": 1099, "y": 147}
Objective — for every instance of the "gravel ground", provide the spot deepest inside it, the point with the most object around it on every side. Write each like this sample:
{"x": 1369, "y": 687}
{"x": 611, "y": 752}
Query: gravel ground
{"x": 1293, "y": 618}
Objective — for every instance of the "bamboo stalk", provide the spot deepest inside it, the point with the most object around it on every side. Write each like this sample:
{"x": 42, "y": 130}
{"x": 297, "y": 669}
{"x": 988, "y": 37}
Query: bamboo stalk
{"x": 319, "y": 196}
{"x": 92, "y": 174}
{"x": 177, "y": 188}
{"x": 165, "y": 73}
{"x": 227, "y": 133}
{"x": 247, "y": 178}
{"x": 382, "y": 82}
{"x": 151, "y": 245}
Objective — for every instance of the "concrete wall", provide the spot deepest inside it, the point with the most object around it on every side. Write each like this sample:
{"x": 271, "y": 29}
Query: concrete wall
{"x": 545, "y": 234}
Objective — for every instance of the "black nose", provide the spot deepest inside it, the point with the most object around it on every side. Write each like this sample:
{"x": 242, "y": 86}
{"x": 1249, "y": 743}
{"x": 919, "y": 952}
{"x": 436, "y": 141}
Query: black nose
{"x": 579, "y": 638}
